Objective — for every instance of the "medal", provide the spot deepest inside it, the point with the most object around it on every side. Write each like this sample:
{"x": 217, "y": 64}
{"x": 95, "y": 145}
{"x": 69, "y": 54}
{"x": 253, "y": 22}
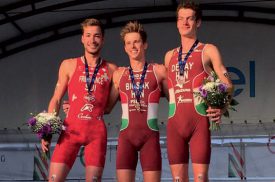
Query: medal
{"x": 182, "y": 63}
{"x": 138, "y": 89}
{"x": 138, "y": 106}
{"x": 180, "y": 80}
{"x": 90, "y": 81}
{"x": 89, "y": 97}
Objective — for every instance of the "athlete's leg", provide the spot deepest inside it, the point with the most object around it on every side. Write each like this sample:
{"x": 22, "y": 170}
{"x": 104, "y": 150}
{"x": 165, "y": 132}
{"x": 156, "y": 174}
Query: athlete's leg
{"x": 178, "y": 153}
{"x": 94, "y": 174}
{"x": 63, "y": 157}
{"x": 150, "y": 158}
{"x": 126, "y": 159}
{"x": 151, "y": 176}
{"x": 200, "y": 172}
{"x": 127, "y": 154}
{"x": 200, "y": 149}
{"x": 126, "y": 175}
{"x": 58, "y": 172}
{"x": 179, "y": 172}
{"x": 95, "y": 154}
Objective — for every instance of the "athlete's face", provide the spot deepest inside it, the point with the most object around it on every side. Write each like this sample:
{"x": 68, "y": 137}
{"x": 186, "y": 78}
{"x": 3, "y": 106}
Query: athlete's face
{"x": 134, "y": 46}
{"x": 92, "y": 39}
{"x": 186, "y": 23}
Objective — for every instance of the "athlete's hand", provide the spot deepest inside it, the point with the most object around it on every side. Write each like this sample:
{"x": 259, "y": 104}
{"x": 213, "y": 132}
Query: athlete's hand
{"x": 45, "y": 145}
{"x": 66, "y": 106}
{"x": 214, "y": 114}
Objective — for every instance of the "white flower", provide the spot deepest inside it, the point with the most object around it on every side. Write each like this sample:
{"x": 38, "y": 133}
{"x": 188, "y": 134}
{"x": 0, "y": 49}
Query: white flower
{"x": 209, "y": 86}
{"x": 46, "y": 123}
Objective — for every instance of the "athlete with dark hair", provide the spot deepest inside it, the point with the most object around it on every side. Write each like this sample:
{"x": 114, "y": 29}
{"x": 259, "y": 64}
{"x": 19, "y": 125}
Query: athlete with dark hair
{"x": 88, "y": 81}
{"x": 188, "y": 124}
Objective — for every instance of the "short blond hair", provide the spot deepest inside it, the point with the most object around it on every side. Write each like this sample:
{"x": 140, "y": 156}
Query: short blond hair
{"x": 134, "y": 26}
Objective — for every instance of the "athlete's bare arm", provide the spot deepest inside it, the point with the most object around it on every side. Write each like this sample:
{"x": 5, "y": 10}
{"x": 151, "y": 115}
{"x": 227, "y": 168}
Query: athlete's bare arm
{"x": 213, "y": 56}
{"x": 61, "y": 86}
{"x": 111, "y": 98}
{"x": 167, "y": 58}
{"x": 162, "y": 78}
{"x": 64, "y": 75}
{"x": 114, "y": 93}
{"x": 111, "y": 68}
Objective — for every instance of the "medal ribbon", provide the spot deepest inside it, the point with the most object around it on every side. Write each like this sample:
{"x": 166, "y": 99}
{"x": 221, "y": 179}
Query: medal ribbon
{"x": 182, "y": 63}
{"x": 138, "y": 89}
{"x": 90, "y": 81}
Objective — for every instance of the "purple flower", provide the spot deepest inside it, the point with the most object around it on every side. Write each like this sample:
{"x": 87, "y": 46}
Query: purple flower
{"x": 46, "y": 129}
{"x": 200, "y": 88}
{"x": 222, "y": 88}
{"x": 203, "y": 92}
{"x": 39, "y": 134}
{"x": 32, "y": 121}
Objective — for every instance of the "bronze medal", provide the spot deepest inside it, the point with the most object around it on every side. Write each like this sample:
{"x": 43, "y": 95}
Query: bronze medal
{"x": 180, "y": 80}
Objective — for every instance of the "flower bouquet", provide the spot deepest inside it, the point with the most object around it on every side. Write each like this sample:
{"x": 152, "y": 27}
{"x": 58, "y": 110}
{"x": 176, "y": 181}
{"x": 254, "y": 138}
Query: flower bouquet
{"x": 215, "y": 94}
{"x": 44, "y": 125}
